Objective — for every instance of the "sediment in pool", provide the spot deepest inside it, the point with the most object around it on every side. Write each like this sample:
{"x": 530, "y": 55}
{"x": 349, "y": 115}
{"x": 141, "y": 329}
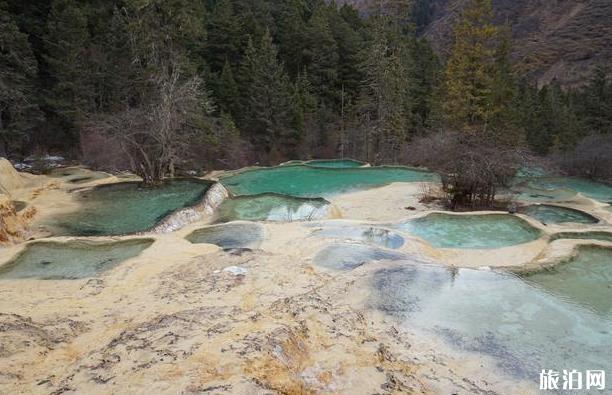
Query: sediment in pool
{"x": 351, "y": 256}
{"x": 521, "y": 324}
{"x": 368, "y": 234}
{"x": 70, "y": 260}
{"x": 230, "y": 236}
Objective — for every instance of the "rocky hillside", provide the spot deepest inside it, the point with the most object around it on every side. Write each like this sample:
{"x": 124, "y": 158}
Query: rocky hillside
{"x": 553, "y": 39}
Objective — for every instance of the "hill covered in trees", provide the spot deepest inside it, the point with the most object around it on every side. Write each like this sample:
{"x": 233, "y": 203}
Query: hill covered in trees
{"x": 553, "y": 40}
{"x": 158, "y": 85}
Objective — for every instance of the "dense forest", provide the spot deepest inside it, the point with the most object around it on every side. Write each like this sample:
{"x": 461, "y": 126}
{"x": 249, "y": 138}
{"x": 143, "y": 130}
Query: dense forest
{"x": 155, "y": 85}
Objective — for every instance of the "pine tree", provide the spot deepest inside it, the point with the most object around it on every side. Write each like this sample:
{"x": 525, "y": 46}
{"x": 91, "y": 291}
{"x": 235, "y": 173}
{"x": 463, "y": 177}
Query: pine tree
{"x": 469, "y": 70}
{"x": 19, "y": 112}
{"x": 321, "y": 56}
{"x": 227, "y": 91}
{"x": 66, "y": 44}
{"x": 596, "y": 103}
{"x": 384, "y": 104}
{"x": 222, "y": 43}
{"x": 270, "y": 107}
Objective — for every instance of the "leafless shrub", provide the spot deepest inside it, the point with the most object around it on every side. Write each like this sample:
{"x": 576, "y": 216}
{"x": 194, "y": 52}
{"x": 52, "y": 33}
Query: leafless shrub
{"x": 472, "y": 167}
{"x": 592, "y": 158}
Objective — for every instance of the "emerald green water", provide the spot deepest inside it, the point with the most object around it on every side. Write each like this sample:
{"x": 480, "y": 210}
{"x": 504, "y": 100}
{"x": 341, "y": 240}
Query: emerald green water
{"x": 73, "y": 260}
{"x": 557, "y": 320}
{"x": 471, "y": 231}
{"x": 594, "y": 235}
{"x": 272, "y": 207}
{"x": 548, "y": 214}
{"x": 585, "y": 280}
{"x": 127, "y": 207}
{"x": 595, "y": 190}
{"x": 307, "y": 181}
{"x": 230, "y": 236}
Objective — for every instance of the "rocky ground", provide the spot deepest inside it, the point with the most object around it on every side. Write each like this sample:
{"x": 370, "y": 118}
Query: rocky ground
{"x": 193, "y": 318}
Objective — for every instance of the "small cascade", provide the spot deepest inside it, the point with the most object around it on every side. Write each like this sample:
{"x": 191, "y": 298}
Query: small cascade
{"x": 211, "y": 200}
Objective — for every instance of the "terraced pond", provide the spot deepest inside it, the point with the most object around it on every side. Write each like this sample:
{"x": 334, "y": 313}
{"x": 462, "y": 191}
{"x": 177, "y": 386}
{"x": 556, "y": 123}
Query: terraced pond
{"x": 367, "y": 234}
{"x": 272, "y": 207}
{"x": 595, "y": 190}
{"x": 548, "y": 214}
{"x": 71, "y": 260}
{"x": 230, "y": 236}
{"x": 126, "y": 208}
{"x": 308, "y": 181}
{"x": 351, "y": 256}
{"x": 553, "y": 319}
{"x": 471, "y": 231}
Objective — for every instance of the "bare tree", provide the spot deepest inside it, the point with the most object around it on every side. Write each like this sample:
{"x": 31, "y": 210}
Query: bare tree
{"x": 472, "y": 168}
{"x": 592, "y": 158}
{"x": 170, "y": 118}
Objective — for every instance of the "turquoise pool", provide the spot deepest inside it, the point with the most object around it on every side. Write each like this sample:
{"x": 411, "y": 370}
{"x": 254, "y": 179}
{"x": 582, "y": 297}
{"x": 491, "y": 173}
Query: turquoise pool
{"x": 552, "y": 321}
{"x": 471, "y": 231}
{"x": 595, "y": 190}
{"x": 272, "y": 207}
{"x": 72, "y": 260}
{"x": 308, "y": 181}
{"x": 127, "y": 207}
{"x": 548, "y": 214}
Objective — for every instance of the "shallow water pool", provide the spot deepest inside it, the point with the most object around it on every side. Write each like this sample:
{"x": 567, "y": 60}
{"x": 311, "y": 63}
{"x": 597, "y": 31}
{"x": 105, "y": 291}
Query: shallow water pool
{"x": 272, "y": 207}
{"x": 368, "y": 234}
{"x": 335, "y": 163}
{"x": 127, "y": 207}
{"x": 595, "y": 190}
{"x": 308, "y": 181}
{"x": 593, "y": 235}
{"x": 77, "y": 259}
{"x": 585, "y": 279}
{"x": 548, "y": 214}
{"x": 471, "y": 231}
{"x": 230, "y": 236}
{"x": 523, "y": 324}
{"x": 351, "y": 256}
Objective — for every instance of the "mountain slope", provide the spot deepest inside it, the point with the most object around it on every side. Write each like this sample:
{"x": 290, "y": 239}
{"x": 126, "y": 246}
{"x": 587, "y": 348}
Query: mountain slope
{"x": 552, "y": 39}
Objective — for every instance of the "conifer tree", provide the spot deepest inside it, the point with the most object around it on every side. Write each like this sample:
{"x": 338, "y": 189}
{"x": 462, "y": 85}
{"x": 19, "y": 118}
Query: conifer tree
{"x": 269, "y": 102}
{"x": 66, "y": 45}
{"x": 469, "y": 70}
{"x": 19, "y": 112}
{"x": 321, "y": 56}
